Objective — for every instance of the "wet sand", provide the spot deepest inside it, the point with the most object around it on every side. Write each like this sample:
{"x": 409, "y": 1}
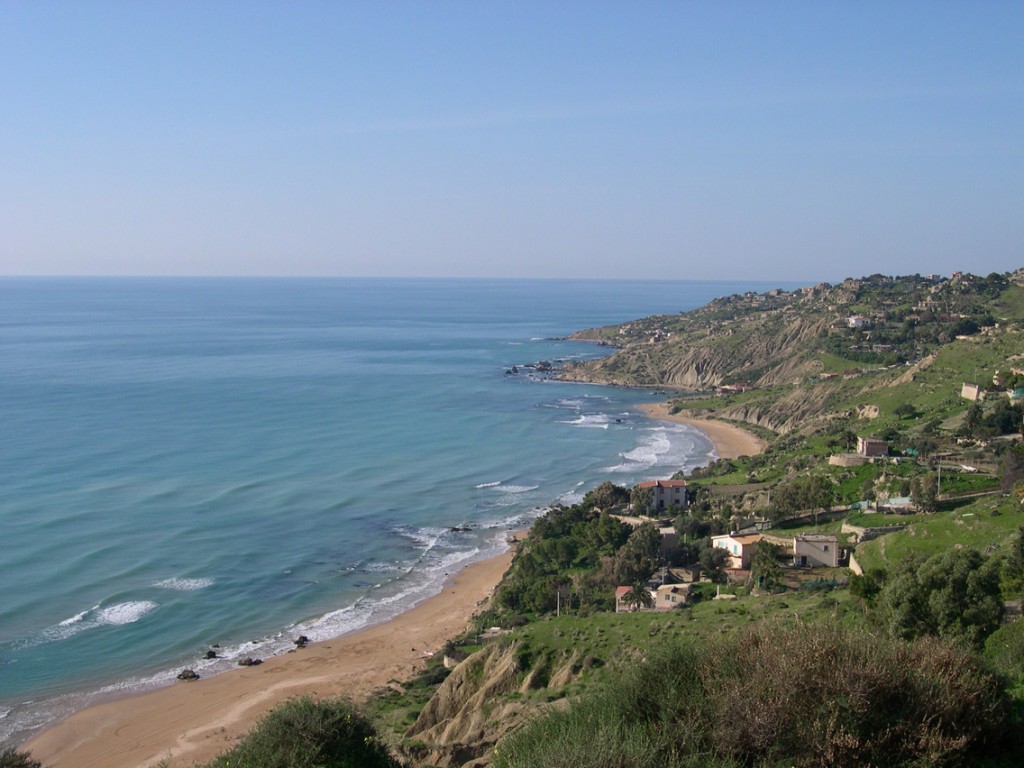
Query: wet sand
{"x": 730, "y": 441}
{"x": 192, "y": 722}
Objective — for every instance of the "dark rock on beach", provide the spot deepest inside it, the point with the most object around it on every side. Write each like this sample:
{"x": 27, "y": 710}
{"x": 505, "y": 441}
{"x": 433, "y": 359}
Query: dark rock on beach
{"x": 249, "y": 662}
{"x": 301, "y": 641}
{"x": 188, "y": 674}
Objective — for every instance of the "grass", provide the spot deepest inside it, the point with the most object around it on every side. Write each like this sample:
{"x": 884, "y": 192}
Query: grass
{"x": 985, "y": 524}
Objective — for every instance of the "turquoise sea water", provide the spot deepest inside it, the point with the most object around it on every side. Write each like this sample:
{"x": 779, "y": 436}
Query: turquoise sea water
{"x": 194, "y": 461}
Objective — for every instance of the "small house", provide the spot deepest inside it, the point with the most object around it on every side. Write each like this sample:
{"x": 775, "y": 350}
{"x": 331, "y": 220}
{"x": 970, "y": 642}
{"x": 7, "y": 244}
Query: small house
{"x": 972, "y": 392}
{"x": 872, "y": 446}
{"x": 622, "y": 606}
{"x": 816, "y": 550}
{"x": 669, "y": 596}
{"x": 741, "y": 548}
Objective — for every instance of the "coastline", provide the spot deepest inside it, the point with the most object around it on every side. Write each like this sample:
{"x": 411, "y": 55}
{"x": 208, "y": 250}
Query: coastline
{"x": 193, "y": 722}
{"x": 730, "y": 441}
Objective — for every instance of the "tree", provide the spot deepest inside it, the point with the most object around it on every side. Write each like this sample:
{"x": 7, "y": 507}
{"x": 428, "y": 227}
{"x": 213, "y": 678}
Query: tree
{"x": 1011, "y": 467}
{"x": 924, "y": 492}
{"x": 1013, "y": 565}
{"x": 639, "y": 596}
{"x": 868, "y": 585}
{"x": 764, "y": 567}
{"x": 638, "y": 558}
{"x": 973, "y": 419}
{"x": 954, "y": 594}
{"x": 713, "y": 561}
{"x": 606, "y": 495}
{"x": 641, "y": 499}
{"x": 905, "y": 411}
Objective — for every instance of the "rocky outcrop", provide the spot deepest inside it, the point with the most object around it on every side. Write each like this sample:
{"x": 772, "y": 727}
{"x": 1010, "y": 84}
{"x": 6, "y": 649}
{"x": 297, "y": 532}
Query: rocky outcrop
{"x": 483, "y": 698}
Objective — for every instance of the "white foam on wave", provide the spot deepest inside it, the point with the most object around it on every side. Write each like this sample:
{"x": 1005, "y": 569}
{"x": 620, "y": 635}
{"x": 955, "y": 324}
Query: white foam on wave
{"x": 117, "y": 614}
{"x": 184, "y": 585}
{"x": 516, "y": 489}
{"x": 669, "y": 447}
{"x": 379, "y": 567}
{"x": 489, "y": 485}
{"x": 424, "y": 537}
{"x": 76, "y": 618}
{"x": 125, "y": 613}
{"x": 590, "y": 421}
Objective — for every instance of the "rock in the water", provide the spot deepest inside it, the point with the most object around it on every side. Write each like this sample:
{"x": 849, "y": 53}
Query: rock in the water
{"x": 188, "y": 674}
{"x": 248, "y": 661}
{"x": 301, "y": 641}
{"x": 210, "y": 655}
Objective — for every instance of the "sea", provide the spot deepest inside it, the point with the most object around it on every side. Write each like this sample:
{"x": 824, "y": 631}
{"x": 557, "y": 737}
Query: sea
{"x": 236, "y": 462}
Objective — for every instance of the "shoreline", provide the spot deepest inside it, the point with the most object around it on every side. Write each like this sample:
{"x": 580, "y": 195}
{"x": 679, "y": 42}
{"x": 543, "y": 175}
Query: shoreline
{"x": 730, "y": 441}
{"x": 193, "y": 722}
{"x": 187, "y": 723}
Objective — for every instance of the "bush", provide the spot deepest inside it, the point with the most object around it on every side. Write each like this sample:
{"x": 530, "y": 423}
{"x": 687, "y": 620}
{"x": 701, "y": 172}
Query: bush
{"x": 11, "y": 759}
{"x": 304, "y": 733}
{"x": 799, "y": 696}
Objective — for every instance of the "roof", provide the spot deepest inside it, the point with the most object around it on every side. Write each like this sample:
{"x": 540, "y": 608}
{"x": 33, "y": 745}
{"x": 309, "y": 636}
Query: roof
{"x": 674, "y": 588}
{"x": 620, "y": 591}
{"x": 663, "y": 484}
{"x": 747, "y": 538}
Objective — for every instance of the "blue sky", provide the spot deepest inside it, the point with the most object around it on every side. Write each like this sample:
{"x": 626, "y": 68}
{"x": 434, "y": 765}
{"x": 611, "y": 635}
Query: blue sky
{"x": 789, "y": 140}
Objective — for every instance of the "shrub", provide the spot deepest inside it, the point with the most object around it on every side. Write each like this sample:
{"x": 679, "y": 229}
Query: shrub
{"x": 807, "y": 697}
{"x": 9, "y": 758}
{"x": 304, "y": 733}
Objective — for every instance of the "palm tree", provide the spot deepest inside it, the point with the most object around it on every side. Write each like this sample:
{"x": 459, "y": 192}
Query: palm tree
{"x": 639, "y": 596}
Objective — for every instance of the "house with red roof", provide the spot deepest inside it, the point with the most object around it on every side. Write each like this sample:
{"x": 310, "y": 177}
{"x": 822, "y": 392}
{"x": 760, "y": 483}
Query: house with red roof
{"x": 666, "y": 494}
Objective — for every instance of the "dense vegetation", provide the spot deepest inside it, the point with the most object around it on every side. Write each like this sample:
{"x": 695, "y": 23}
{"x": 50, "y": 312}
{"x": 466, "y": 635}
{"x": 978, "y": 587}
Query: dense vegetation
{"x": 304, "y": 733}
{"x": 775, "y": 695}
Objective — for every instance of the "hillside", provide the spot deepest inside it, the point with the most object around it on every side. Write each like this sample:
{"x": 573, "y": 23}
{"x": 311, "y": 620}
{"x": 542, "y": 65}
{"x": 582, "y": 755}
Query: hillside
{"x": 906, "y": 633}
{"x": 780, "y": 337}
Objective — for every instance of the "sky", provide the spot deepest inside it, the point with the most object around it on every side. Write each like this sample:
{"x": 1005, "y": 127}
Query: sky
{"x": 679, "y": 140}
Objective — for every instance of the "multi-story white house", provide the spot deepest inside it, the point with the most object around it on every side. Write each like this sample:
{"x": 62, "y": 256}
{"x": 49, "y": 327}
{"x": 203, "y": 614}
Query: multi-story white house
{"x": 666, "y": 494}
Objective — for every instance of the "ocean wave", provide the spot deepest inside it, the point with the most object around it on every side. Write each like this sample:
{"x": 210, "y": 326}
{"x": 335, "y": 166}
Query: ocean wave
{"x": 77, "y": 617}
{"x": 184, "y": 585}
{"x": 516, "y": 489}
{"x": 379, "y": 567}
{"x": 125, "y": 613}
{"x": 426, "y": 538}
{"x": 591, "y": 421}
{"x": 489, "y": 485}
{"x": 117, "y": 614}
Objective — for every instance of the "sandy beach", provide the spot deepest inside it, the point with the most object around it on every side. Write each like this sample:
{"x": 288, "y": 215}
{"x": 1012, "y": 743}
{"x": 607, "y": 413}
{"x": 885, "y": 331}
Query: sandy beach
{"x": 730, "y": 441}
{"x": 192, "y": 722}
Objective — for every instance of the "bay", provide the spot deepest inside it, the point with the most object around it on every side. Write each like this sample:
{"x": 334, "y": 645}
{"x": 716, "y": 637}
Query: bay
{"x": 186, "y": 462}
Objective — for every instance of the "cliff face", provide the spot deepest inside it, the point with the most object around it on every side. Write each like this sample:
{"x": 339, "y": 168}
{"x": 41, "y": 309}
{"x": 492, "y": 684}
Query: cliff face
{"x": 759, "y": 350}
{"x": 484, "y": 697}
